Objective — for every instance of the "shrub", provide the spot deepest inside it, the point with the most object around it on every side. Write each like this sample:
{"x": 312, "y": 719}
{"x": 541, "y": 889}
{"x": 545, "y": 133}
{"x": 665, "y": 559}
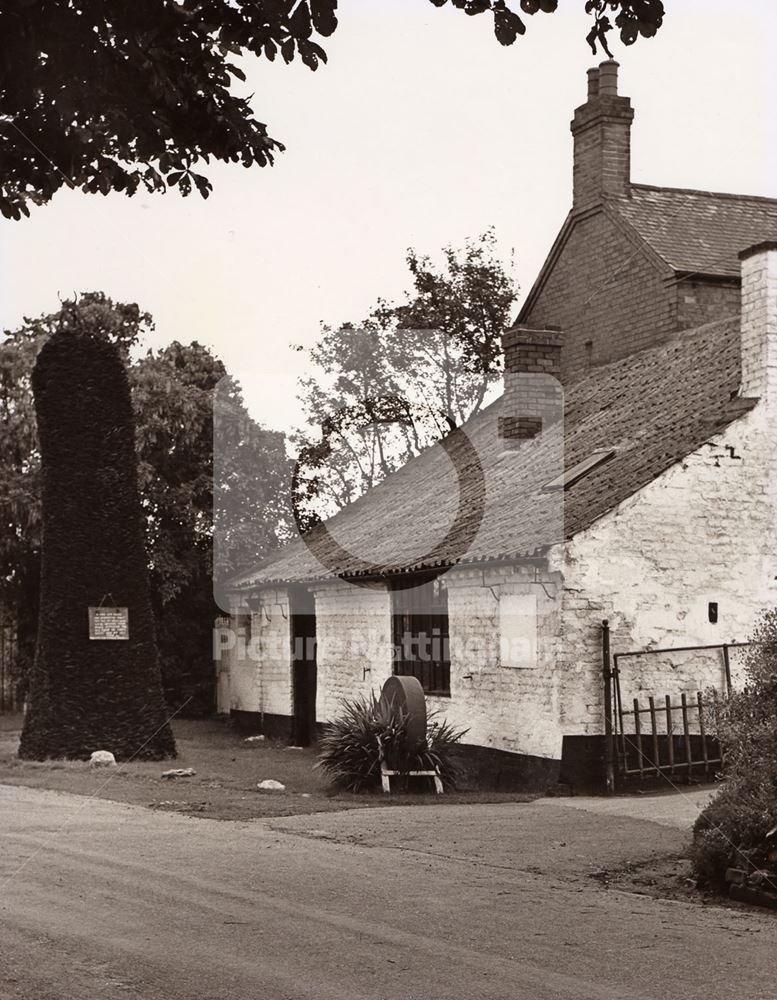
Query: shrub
{"x": 352, "y": 744}
{"x": 731, "y": 831}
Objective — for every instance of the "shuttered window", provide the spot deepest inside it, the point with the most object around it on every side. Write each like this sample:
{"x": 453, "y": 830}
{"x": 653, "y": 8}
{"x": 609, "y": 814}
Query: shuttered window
{"x": 421, "y": 635}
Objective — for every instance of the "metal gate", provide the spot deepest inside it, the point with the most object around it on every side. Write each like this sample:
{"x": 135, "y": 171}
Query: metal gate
{"x": 660, "y": 735}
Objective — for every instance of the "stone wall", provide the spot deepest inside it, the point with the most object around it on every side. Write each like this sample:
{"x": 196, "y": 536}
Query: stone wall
{"x": 700, "y": 533}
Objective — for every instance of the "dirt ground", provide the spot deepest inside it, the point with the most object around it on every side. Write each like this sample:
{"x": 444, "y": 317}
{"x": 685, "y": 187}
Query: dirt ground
{"x": 228, "y": 769}
{"x": 102, "y": 900}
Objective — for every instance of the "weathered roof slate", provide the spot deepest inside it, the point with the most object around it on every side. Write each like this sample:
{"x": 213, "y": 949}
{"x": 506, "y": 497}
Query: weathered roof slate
{"x": 655, "y": 408}
{"x": 698, "y": 231}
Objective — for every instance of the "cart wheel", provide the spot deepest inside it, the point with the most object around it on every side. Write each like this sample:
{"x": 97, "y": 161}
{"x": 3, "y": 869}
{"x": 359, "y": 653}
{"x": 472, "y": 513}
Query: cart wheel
{"x": 407, "y": 695}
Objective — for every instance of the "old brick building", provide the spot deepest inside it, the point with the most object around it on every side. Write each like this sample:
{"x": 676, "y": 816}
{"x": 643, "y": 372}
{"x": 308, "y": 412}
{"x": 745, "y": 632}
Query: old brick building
{"x": 635, "y": 264}
{"x": 642, "y": 492}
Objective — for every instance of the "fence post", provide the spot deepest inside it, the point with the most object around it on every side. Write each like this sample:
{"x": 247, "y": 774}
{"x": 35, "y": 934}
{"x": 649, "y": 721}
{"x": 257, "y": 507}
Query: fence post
{"x": 609, "y": 748}
{"x": 727, "y": 665}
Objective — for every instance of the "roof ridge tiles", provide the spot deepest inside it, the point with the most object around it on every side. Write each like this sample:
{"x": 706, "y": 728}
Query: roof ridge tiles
{"x": 728, "y": 195}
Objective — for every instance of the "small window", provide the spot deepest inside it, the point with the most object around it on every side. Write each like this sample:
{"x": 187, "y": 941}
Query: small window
{"x": 421, "y": 635}
{"x": 576, "y": 472}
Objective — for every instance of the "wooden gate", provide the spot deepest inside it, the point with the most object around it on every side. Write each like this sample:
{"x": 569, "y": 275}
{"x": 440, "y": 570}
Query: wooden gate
{"x": 662, "y": 735}
{"x": 9, "y": 667}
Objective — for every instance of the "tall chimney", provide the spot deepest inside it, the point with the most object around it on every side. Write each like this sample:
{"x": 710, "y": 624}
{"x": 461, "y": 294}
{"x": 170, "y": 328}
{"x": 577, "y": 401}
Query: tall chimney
{"x": 602, "y": 136}
{"x": 532, "y": 398}
{"x": 759, "y": 321}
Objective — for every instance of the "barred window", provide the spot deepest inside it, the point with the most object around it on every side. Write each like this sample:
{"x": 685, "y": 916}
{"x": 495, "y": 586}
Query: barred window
{"x": 421, "y": 635}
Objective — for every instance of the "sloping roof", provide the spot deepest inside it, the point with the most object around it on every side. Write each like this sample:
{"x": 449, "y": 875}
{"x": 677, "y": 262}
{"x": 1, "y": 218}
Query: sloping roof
{"x": 654, "y": 408}
{"x": 698, "y": 231}
{"x": 680, "y": 230}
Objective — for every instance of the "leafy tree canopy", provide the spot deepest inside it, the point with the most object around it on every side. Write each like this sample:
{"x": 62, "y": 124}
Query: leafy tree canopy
{"x": 108, "y": 96}
{"x": 172, "y": 394}
{"x": 384, "y": 389}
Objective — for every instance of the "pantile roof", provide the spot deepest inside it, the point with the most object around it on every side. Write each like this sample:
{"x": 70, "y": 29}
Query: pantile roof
{"x": 698, "y": 231}
{"x": 654, "y": 408}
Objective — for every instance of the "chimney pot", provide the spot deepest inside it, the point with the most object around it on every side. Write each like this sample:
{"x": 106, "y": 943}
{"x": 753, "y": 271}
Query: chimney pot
{"x": 602, "y": 132}
{"x": 608, "y": 78}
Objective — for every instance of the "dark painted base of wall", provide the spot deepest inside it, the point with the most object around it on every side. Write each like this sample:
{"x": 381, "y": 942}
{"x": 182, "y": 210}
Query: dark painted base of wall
{"x": 583, "y": 764}
{"x": 581, "y": 768}
{"x": 486, "y": 769}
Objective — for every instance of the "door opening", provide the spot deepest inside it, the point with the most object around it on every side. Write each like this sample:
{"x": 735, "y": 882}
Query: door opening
{"x": 303, "y": 667}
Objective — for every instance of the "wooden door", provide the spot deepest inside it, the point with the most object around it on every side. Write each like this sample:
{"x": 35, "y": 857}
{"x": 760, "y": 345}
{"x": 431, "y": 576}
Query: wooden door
{"x": 303, "y": 668}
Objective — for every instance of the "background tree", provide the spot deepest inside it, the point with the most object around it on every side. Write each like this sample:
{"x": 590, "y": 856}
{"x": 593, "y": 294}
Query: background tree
{"x": 396, "y": 383}
{"x": 172, "y": 392}
{"x": 108, "y": 96}
{"x": 123, "y": 325}
{"x": 86, "y": 695}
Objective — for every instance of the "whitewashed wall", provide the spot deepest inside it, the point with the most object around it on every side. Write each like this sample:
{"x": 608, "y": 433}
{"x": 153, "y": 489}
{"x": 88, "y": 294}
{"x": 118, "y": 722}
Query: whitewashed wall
{"x": 353, "y": 631}
{"x": 702, "y": 532}
{"x": 270, "y": 653}
{"x": 503, "y": 706}
{"x": 508, "y": 707}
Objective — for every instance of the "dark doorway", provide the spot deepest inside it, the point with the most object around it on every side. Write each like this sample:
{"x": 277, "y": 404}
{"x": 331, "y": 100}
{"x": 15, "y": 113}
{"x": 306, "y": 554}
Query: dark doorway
{"x": 303, "y": 667}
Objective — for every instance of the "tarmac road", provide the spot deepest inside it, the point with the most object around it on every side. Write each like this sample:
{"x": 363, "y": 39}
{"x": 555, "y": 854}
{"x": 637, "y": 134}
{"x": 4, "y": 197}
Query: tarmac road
{"x": 101, "y": 899}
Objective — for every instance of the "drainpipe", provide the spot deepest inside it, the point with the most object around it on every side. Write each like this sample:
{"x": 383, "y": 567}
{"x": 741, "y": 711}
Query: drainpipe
{"x": 609, "y": 748}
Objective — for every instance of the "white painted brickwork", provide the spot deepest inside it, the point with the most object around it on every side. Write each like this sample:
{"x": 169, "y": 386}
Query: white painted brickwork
{"x": 503, "y": 707}
{"x": 259, "y": 661}
{"x": 271, "y": 652}
{"x": 242, "y": 671}
{"x": 353, "y": 629}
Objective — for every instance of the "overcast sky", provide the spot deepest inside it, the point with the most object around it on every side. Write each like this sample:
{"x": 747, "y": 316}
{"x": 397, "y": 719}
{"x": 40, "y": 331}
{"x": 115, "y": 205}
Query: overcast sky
{"x": 422, "y": 130}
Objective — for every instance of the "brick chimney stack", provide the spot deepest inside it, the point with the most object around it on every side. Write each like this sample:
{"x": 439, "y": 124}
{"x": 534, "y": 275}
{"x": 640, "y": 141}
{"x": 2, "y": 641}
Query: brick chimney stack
{"x": 602, "y": 136}
{"x": 759, "y": 322}
{"x": 532, "y": 398}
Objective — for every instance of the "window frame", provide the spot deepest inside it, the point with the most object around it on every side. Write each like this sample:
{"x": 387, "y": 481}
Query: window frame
{"x": 419, "y": 607}
{"x": 580, "y": 469}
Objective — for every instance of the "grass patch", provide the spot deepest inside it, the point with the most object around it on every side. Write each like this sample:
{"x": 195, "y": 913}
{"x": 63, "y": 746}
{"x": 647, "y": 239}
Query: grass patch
{"x": 224, "y": 787}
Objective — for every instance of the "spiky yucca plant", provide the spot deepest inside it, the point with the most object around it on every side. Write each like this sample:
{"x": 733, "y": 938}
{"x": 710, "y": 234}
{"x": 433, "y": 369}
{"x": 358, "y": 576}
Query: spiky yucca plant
{"x": 366, "y": 728}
